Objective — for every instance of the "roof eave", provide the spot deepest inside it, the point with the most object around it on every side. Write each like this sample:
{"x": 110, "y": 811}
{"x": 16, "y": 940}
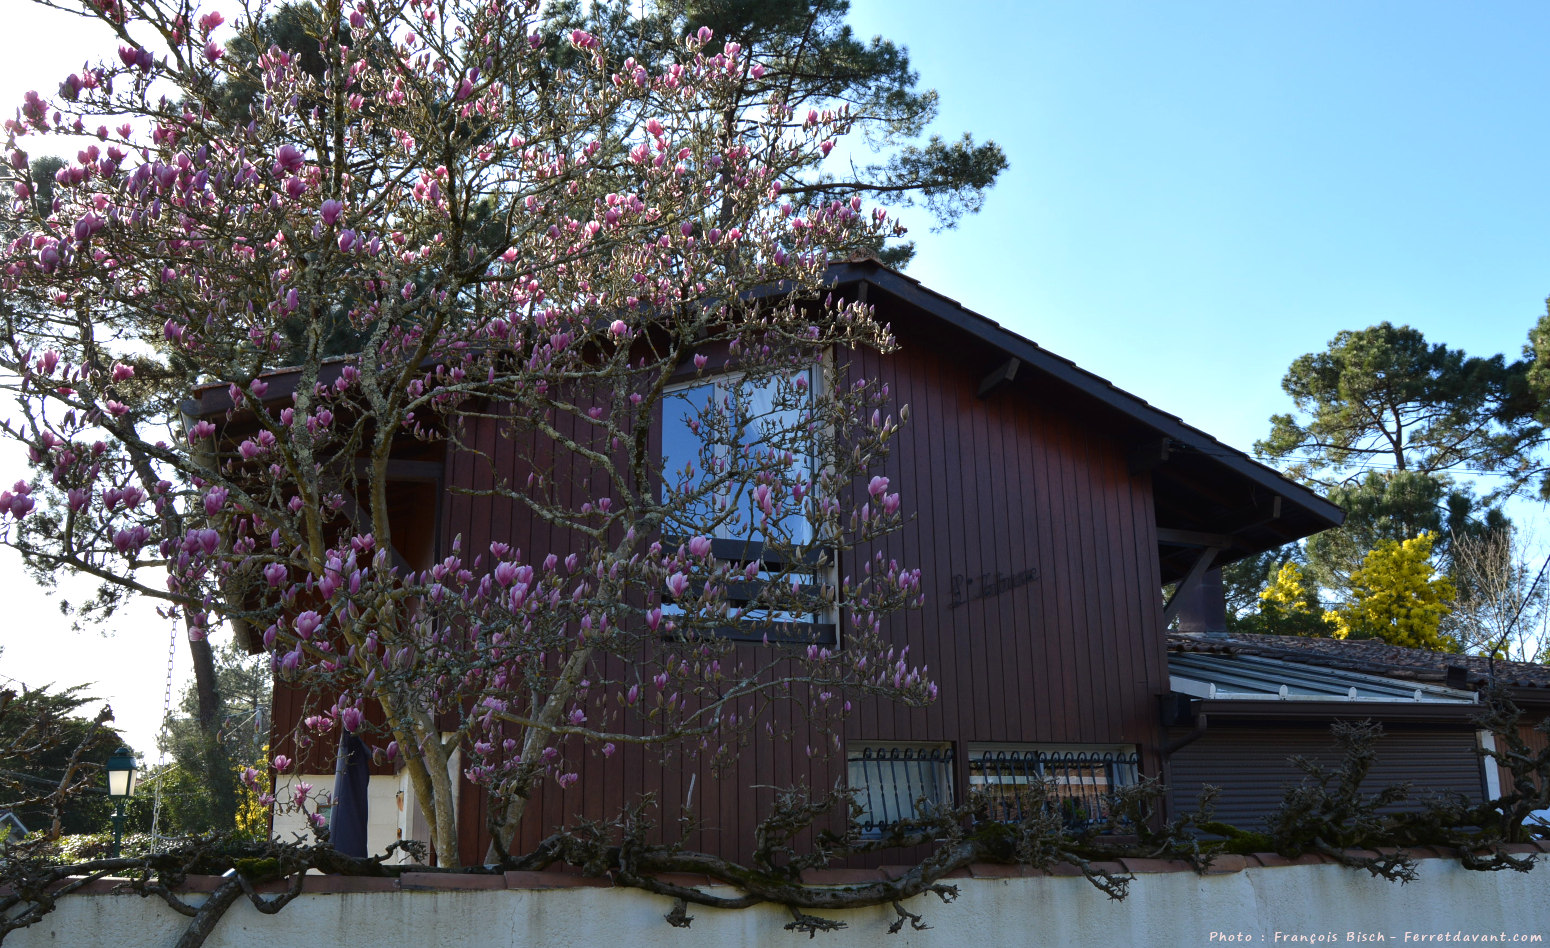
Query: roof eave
{"x": 1063, "y": 370}
{"x": 1239, "y": 710}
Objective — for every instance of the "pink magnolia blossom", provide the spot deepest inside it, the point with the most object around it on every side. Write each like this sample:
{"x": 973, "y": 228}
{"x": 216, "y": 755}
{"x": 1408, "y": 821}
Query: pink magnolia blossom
{"x": 20, "y": 505}
{"x": 307, "y": 623}
{"x": 288, "y": 159}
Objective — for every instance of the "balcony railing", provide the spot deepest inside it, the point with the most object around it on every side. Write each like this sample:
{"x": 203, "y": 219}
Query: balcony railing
{"x": 759, "y": 625}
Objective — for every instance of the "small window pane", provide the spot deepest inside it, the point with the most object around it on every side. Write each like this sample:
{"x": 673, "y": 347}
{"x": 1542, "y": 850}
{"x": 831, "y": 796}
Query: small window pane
{"x": 898, "y": 782}
{"x": 684, "y": 454}
{"x": 702, "y": 422}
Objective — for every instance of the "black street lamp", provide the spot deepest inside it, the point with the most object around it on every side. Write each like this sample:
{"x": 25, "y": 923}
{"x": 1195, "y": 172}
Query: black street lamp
{"x": 121, "y": 786}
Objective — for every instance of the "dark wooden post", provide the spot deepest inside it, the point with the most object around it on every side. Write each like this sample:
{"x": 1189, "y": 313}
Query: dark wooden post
{"x": 1204, "y": 608}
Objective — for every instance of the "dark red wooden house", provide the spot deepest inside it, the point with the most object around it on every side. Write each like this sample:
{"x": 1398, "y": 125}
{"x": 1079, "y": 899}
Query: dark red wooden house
{"x": 1051, "y": 508}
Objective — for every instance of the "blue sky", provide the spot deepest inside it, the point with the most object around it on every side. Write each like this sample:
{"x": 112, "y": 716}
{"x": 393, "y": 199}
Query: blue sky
{"x": 1199, "y": 193}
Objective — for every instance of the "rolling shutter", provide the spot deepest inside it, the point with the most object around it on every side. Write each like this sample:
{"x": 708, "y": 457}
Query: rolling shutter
{"x": 1251, "y": 768}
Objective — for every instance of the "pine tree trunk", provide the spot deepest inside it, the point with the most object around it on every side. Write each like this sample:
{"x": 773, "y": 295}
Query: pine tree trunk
{"x": 218, "y": 774}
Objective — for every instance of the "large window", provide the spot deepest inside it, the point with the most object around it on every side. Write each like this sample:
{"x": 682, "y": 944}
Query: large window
{"x": 898, "y": 782}
{"x": 738, "y": 466}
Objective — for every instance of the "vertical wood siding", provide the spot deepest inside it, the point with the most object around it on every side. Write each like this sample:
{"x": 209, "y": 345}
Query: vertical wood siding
{"x": 1020, "y": 480}
{"x": 1535, "y": 739}
{"x": 1013, "y": 482}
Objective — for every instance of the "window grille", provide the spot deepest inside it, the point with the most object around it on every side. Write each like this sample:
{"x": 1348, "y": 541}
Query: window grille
{"x": 898, "y": 782}
{"x": 1080, "y": 782}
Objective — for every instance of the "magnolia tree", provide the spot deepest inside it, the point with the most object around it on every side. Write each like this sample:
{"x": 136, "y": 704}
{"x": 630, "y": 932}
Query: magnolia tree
{"x": 434, "y": 233}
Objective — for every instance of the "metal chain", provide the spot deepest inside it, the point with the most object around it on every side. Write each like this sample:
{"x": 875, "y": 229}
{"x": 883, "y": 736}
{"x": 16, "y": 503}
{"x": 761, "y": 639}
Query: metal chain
{"x": 162, "y": 739}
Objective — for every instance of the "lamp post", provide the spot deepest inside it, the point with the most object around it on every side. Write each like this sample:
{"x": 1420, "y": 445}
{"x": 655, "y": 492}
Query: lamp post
{"x": 121, "y": 785}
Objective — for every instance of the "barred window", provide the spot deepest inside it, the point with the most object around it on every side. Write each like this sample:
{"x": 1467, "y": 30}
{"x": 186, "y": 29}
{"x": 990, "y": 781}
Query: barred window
{"x": 898, "y": 782}
{"x": 1079, "y": 779}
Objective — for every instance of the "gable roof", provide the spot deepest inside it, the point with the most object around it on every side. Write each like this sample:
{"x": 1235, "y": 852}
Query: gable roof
{"x": 1204, "y": 490}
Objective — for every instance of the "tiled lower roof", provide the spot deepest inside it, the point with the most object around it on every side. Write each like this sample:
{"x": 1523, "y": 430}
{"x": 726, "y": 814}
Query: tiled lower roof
{"x": 1369, "y": 656}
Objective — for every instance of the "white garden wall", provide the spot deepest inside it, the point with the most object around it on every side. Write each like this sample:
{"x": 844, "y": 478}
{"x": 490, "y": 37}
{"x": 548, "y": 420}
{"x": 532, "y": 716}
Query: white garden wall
{"x": 1250, "y": 903}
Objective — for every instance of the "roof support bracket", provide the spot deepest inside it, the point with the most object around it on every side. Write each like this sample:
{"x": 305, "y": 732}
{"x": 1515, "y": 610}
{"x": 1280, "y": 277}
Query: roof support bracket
{"x": 361, "y": 520}
{"x": 1147, "y": 456}
{"x": 1000, "y": 377}
{"x": 1257, "y": 516}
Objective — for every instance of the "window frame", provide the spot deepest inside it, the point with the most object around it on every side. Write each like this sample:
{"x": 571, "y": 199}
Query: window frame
{"x": 823, "y": 627}
{"x": 933, "y": 759}
{"x": 1023, "y": 762}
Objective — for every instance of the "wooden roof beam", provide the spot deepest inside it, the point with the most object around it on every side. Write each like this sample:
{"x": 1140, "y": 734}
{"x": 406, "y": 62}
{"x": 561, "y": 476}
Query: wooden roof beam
{"x": 400, "y": 469}
{"x": 1168, "y": 536}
